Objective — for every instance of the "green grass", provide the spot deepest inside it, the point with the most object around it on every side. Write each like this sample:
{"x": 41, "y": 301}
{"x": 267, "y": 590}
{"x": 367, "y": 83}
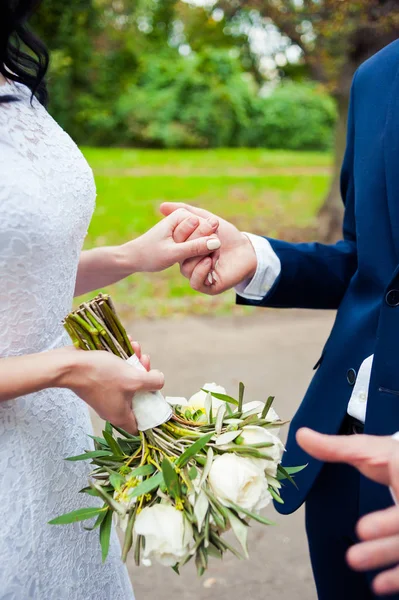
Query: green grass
{"x": 274, "y": 193}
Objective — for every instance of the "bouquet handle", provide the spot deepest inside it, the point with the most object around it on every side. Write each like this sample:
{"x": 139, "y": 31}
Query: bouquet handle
{"x": 150, "y": 408}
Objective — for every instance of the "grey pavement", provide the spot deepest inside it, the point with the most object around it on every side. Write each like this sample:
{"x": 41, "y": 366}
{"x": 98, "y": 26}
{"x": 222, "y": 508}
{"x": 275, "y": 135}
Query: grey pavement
{"x": 273, "y": 352}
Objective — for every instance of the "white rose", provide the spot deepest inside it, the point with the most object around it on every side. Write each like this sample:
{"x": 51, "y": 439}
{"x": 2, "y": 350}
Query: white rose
{"x": 168, "y": 535}
{"x": 252, "y": 434}
{"x": 239, "y": 480}
{"x": 197, "y": 401}
{"x": 256, "y": 408}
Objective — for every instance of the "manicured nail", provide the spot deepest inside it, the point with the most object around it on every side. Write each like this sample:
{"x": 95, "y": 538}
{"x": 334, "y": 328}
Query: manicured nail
{"x": 210, "y": 278}
{"x": 213, "y": 244}
{"x": 215, "y": 276}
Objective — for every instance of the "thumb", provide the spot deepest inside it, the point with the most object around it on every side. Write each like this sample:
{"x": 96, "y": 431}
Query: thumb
{"x": 127, "y": 422}
{"x": 199, "y": 247}
{"x": 394, "y": 475}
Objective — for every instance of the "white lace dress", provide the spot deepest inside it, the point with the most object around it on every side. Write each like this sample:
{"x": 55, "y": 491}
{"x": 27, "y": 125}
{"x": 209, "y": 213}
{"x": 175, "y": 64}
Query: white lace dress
{"x": 47, "y": 196}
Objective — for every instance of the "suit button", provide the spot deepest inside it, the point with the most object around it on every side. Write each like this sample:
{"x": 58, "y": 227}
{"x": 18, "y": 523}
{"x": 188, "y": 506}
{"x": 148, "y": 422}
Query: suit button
{"x": 351, "y": 376}
{"x": 392, "y": 298}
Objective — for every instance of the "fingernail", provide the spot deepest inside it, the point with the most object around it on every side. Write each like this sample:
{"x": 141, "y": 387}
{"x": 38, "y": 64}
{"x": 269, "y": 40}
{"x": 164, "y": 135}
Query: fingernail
{"x": 213, "y": 222}
{"x": 193, "y": 221}
{"x": 216, "y": 264}
{"x": 213, "y": 244}
{"x": 214, "y": 276}
{"x": 210, "y": 278}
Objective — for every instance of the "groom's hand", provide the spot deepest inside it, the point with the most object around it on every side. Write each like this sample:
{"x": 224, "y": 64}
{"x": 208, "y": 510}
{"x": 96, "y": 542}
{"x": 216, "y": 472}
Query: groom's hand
{"x": 370, "y": 454}
{"x": 236, "y": 262}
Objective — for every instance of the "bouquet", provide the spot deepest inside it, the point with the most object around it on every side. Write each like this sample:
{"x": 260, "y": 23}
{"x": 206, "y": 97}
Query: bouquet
{"x": 198, "y": 467}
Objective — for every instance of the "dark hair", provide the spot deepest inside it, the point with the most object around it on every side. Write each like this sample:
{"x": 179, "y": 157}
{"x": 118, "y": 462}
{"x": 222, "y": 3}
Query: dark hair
{"x": 23, "y": 57}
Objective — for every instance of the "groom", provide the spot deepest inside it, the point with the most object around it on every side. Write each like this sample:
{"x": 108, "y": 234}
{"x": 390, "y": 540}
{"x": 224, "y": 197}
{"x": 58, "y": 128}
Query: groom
{"x": 356, "y": 385}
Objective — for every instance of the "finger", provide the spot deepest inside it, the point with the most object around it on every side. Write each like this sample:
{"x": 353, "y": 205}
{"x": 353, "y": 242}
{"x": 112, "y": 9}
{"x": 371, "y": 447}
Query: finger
{"x": 187, "y": 267}
{"x": 379, "y": 524}
{"x": 167, "y": 208}
{"x": 136, "y": 347}
{"x": 200, "y": 274}
{"x": 198, "y": 247}
{"x": 145, "y": 361}
{"x": 127, "y": 422}
{"x": 151, "y": 380}
{"x": 387, "y": 582}
{"x": 374, "y": 554}
{"x": 394, "y": 473}
{"x": 185, "y": 229}
{"x": 194, "y": 227}
{"x": 333, "y": 448}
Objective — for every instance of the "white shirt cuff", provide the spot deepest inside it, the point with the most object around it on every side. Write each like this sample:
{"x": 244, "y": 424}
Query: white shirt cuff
{"x": 267, "y": 271}
{"x": 395, "y": 437}
{"x": 358, "y": 402}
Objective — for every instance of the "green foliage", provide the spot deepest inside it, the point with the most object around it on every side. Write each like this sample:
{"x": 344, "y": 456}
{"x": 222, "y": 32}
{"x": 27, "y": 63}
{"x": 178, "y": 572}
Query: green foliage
{"x": 294, "y": 117}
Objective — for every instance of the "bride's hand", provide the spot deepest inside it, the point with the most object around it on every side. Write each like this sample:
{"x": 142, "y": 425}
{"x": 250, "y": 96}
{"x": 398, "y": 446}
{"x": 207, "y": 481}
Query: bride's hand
{"x": 157, "y": 249}
{"x": 107, "y": 383}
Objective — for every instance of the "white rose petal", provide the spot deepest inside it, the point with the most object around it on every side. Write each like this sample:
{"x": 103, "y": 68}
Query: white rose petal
{"x": 168, "y": 535}
{"x": 239, "y": 480}
{"x": 252, "y": 434}
{"x": 197, "y": 401}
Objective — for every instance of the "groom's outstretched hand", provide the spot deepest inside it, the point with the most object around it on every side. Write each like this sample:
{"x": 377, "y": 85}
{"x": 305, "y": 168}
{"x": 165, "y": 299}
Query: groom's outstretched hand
{"x": 236, "y": 260}
{"x": 377, "y": 457}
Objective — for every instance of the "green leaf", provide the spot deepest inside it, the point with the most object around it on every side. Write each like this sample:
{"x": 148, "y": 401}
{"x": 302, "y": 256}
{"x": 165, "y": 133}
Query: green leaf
{"x": 147, "y": 486}
{"x": 275, "y": 495}
{"x": 222, "y": 397}
{"x": 171, "y": 478}
{"x": 286, "y": 472}
{"x": 193, "y": 473}
{"x": 194, "y": 449}
{"x": 219, "y": 419}
{"x": 127, "y": 544}
{"x": 89, "y": 455}
{"x": 143, "y": 471}
{"x": 241, "y": 396}
{"x": 105, "y": 534}
{"x": 93, "y": 492}
{"x": 116, "y": 480}
{"x": 99, "y": 520}
{"x": 112, "y": 443}
{"x": 99, "y": 440}
{"x": 176, "y": 569}
{"x": 267, "y": 406}
{"x": 250, "y": 514}
{"x": 208, "y": 408}
{"x": 108, "y": 499}
{"x": 127, "y": 435}
{"x": 108, "y": 427}
{"x": 208, "y": 465}
{"x": 240, "y": 530}
{"x": 77, "y": 515}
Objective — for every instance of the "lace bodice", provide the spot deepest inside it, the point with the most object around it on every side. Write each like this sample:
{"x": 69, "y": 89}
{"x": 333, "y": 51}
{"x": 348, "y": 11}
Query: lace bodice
{"x": 47, "y": 196}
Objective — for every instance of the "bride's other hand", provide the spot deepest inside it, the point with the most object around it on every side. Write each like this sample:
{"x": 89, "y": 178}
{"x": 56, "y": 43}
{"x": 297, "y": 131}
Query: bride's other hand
{"x": 107, "y": 383}
{"x": 157, "y": 249}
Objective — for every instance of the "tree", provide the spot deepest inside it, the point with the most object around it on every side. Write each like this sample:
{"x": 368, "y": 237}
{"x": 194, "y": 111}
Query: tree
{"x": 335, "y": 37}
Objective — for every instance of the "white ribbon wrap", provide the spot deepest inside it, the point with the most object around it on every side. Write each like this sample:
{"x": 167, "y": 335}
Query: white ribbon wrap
{"x": 150, "y": 408}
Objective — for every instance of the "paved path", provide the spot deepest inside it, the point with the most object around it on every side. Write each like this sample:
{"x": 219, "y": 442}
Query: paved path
{"x": 273, "y": 353}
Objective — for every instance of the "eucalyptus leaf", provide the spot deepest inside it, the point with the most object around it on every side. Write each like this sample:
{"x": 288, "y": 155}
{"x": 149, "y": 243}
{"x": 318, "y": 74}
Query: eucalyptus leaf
{"x": 77, "y": 515}
{"x": 227, "y": 437}
{"x": 112, "y": 443}
{"x": 207, "y": 467}
{"x": 147, "y": 486}
{"x": 89, "y": 455}
{"x": 241, "y": 391}
{"x": 171, "y": 478}
{"x": 240, "y": 530}
{"x": 105, "y": 534}
{"x": 267, "y": 407}
{"x": 201, "y": 508}
{"x": 194, "y": 449}
{"x": 219, "y": 419}
{"x": 222, "y": 397}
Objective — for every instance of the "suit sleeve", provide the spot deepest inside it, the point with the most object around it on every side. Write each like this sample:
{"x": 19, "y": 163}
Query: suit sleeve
{"x": 315, "y": 275}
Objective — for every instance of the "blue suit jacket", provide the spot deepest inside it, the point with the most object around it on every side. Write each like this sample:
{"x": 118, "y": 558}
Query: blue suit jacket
{"x": 357, "y": 276}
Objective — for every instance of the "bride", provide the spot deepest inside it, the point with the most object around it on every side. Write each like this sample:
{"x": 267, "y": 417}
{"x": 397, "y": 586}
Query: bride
{"x": 47, "y": 197}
